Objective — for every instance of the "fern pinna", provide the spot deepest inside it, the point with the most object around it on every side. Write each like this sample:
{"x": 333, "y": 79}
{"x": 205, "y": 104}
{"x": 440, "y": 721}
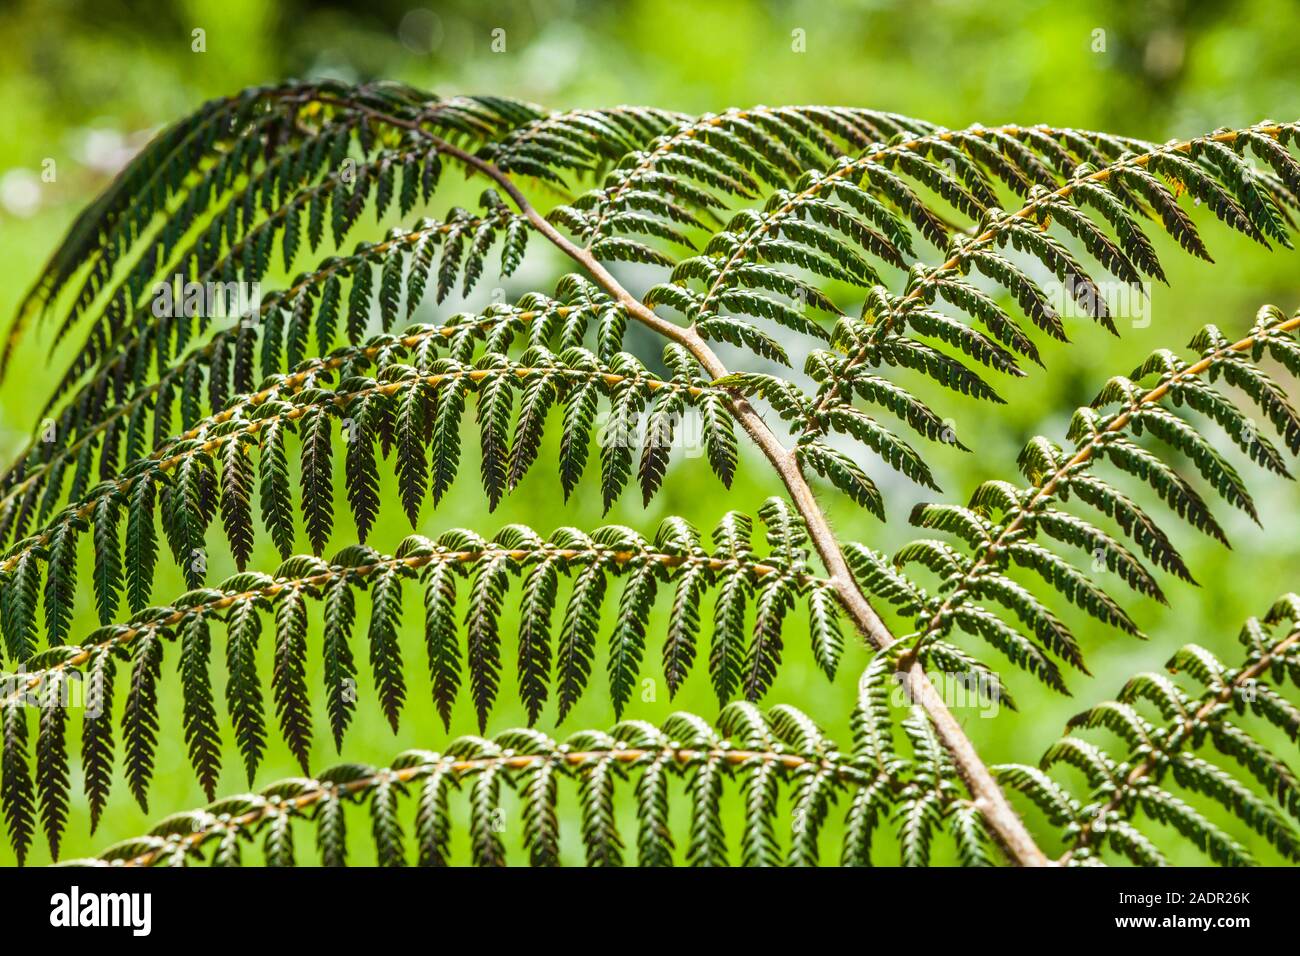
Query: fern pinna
{"x": 882, "y": 256}
{"x": 1166, "y": 750}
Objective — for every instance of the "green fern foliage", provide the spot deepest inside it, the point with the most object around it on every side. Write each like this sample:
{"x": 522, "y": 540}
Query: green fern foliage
{"x": 311, "y": 130}
{"x": 852, "y": 268}
{"x": 409, "y": 412}
{"x": 1009, "y": 537}
{"x": 658, "y": 189}
{"x": 462, "y": 576}
{"x": 830, "y": 221}
{"x": 759, "y": 754}
{"x": 1172, "y": 738}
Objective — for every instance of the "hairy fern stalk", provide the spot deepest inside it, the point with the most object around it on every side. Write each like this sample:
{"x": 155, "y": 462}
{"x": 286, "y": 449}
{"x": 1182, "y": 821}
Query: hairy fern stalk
{"x": 854, "y": 263}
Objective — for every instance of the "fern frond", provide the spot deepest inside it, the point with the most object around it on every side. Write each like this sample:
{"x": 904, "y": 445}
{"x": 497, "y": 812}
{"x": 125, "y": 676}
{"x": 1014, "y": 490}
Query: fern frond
{"x": 677, "y": 559}
{"x": 797, "y": 217}
{"x": 741, "y": 153}
{"x": 283, "y": 323}
{"x": 262, "y": 144}
{"x": 685, "y": 747}
{"x": 1168, "y": 753}
{"x": 93, "y": 436}
{"x": 759, "y": 753}
{"x": 1030, "y": 522}
{"x": 579, "y": 143}
{"x": 420, "y": 405}
{"x": 740, "y": 274}
{"x": 685, "y": 172}
{"x": 1104, "y": 175}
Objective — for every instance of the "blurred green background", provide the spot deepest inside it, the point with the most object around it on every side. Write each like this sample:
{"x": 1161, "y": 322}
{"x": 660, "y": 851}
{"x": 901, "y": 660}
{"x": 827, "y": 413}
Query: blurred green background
{"x": 84, "y": 83}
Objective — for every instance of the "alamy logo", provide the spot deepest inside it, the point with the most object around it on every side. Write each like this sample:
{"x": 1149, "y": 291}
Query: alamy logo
{"x": 74, "y": 909}
{"x": 206, "y": 300}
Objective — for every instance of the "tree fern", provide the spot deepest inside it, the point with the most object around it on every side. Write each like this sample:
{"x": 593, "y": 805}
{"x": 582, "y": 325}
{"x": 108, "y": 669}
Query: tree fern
{"x": 886, "y": 258}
